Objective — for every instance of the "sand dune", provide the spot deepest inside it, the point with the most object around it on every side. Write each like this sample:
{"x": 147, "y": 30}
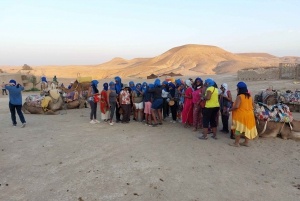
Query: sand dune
{"x": 187, "y": 59}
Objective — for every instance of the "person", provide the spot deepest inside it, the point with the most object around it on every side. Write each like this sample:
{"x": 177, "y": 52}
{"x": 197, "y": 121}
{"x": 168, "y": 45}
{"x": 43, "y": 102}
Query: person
{"x": 172, "y": 96}
{"x": 164, "y": 94}
{"x": 124, "y": 99}
{"x": 70, "y": 85}
{"x": 118, "y": 86}
{"x": 3, "y": 89}
{"x": 137, "y": 99}
{"x": 131, "y": 89}
{"x": 55, "y": 79}
{"x": 197, "y": 110}
{"x": 44, "y": 83}
{"x": 243, "y": 116}
{"x": 179, "y": 95}
{"x": 15, "y": 101}
{"x": 148, "y": 103}
{"x": 225, "y": 104}
{"x": 157, "y": 102}
{"x": 112, "y": 101}
{"x": 187, "y": 112}
{"x": 211, "y": 109}
{"x": 93, "y": 91}
{"x": 144, "y": 88}
{"x": 104, "y": 106}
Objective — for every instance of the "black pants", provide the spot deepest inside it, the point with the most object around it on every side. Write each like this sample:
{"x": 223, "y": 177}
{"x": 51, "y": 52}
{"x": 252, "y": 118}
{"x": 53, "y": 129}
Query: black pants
{"x": 210, "y": 117}
{"x": 13, "y": 109}
{"x": 165, "y": 108}
{"x": 126, "y": 112}
{"x": 174, "y": 111}
{"x": 93, "y": 110}
{"x": 225, "y": 119}
{"x": 118, "y": 116}
{"x": 4, "y": 91}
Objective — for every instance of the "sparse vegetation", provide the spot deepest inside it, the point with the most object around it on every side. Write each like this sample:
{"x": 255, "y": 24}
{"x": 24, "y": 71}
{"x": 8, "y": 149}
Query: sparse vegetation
{"x": 32, "y": 89}
{"x": 1, "y": 71}
{"x": 32, "y": 79}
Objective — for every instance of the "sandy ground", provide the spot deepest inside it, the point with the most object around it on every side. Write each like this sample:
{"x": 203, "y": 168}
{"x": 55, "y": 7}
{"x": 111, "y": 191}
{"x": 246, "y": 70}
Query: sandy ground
{"x": 63, "y": 157}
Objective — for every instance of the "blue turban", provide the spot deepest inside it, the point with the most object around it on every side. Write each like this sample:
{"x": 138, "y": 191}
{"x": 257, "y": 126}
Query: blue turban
{"x": 242, "y": 88}
{"x": 151, "y": 86}
{"x": 210, "y": 82}
{"x": 13, "y": 81}
{"x": 172, "y": 91}
{"x": 178, "y": 82}
{"x": 132, "y": 87}
{"x": 105, "y": 86}
{"x": 118, "y": 85}
{"x": 136, "y": 87}
{"x": 241, "y": 85}
{"x": 157, "y": 83}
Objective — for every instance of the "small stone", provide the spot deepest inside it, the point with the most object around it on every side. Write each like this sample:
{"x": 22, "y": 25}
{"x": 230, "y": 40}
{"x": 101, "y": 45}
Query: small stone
{"x": 161, "y": 179}
{"x": 6, "y": 184}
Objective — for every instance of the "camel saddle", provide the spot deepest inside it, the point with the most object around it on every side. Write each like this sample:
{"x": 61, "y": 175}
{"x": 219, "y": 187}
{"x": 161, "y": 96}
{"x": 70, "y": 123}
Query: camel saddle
{"x": 84, "y": 79}
{"x": 277, "y": 113}
{"x": 54, "y": 93}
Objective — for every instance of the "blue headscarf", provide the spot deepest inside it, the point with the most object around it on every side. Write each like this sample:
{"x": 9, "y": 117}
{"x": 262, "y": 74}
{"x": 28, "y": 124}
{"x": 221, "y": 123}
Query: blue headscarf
{"x": 119, "y": 85}
{"x": 242, "y": 88}
{"x": 151, "y": 86}
{"x": 44, "y": 79}
{"x": 136, "y": 87}
{"x": 94, "y": 84}
{"x": 105, "y": 86}
{"x": 144, "y": 86}
{"x": 13, "y": 81}
{"x": 166, "y": 88}
{"x": 110, "y": 86}
{"x": 210, "y": 82}
{"x": 157, "y": 82}
{"x": 132, "y": 87}
{"x": 172, "y": 91}
{"x": 178, "y": 82}
{"x": 198, "y": 78}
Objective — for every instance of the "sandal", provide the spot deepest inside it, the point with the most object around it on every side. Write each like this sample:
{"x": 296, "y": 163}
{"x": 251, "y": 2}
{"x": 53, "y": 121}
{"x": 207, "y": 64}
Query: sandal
{"x": 203, "y": 137}
{"x": 243, "y": 144}
{"x": 214, "y": 137}
{"x": 234, "y": 145}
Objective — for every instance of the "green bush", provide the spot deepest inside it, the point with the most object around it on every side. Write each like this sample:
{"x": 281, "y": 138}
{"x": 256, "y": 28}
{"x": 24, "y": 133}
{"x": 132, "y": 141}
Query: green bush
{"x": 32, "y": 89}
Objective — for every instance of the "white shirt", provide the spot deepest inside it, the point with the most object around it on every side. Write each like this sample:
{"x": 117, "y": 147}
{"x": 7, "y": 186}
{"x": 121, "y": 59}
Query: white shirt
{"x": 164, "y": 94}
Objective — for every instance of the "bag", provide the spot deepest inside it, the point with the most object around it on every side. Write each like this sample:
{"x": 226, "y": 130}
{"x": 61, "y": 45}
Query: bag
{"x": 121, "y": 111}
{"x": 171, "y": 103}
{"x": 96, "y": 98}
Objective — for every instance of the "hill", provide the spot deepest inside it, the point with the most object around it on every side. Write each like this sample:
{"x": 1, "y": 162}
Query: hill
{"x": 187, "y": 60}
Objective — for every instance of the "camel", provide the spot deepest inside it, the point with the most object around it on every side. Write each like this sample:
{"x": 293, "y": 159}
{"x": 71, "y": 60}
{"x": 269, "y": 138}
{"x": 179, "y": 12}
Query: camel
{"x": 269, "y": 129}
{"x": 75, "y": 104}
{"x": 84, "y": 86}
{"x": 34, "y": 106}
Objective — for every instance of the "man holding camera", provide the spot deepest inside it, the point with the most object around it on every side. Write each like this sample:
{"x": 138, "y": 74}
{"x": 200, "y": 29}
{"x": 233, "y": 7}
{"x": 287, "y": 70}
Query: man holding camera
{"x": 15, "y": 101}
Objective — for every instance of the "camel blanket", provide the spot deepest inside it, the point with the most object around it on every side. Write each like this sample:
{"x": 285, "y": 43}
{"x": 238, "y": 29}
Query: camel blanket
{"x": 84, "y": 79}
{"x": 54, "y": 93}
{"x": 34, "y": 100}
{"x": 292, "y": 97}
{"x": 277, "y": 113}
{"x": 45, "y": 102}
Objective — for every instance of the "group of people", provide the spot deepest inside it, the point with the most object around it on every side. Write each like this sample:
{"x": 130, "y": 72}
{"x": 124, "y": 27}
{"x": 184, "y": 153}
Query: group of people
{"x": 193, "y": 103}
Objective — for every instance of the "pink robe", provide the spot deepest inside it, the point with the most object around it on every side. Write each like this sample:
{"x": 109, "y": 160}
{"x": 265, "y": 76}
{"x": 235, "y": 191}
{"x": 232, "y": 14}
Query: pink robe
{"x": 187, "y": 112}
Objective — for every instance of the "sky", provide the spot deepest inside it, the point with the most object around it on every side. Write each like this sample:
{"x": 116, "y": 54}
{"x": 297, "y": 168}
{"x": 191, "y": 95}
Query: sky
{"x": 66, "y": 32}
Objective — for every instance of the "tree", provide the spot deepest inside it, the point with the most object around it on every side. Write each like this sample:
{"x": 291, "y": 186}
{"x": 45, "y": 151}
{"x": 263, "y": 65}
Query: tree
{"x": 32, "y": 79}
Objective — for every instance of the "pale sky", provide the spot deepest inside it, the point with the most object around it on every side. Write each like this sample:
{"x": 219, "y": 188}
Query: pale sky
{"x": 63, "y": 32}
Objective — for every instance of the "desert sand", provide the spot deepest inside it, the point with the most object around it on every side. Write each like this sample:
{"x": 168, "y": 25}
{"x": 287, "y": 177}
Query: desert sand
{"x": 63, "y": 157}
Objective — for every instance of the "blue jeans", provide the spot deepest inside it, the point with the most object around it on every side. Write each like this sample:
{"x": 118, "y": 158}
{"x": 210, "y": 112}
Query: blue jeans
{"x": 13, "y": 109}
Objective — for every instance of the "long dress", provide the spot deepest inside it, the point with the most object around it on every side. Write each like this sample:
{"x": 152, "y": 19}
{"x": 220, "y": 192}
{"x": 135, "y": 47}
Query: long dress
{"x": 105, "y": 113}
{"x": 187, "y": 112}
{"x": 243, "y": 118}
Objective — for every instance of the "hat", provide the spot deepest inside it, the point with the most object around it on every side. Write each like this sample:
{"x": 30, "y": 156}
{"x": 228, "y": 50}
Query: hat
{"x": 13, "y": 81}
{"x": 72, "y": 82}
{"x": 125, "y": 86}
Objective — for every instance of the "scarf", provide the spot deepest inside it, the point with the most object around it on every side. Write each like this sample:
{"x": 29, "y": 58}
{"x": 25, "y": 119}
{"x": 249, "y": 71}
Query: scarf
{"x": 133, "y": 86}
{"x": 172, "y": 91}
{"x": 157, "y": 83}
{"x": 225, "y": 86}
{"x": 105, "y": 86}
{"x": 94, "y": 84}
{"x": 138, "y": 86}
{"x": 118, "y": 84}
{"x": 112, "y": 87}
{"x": 144, "y": 86}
